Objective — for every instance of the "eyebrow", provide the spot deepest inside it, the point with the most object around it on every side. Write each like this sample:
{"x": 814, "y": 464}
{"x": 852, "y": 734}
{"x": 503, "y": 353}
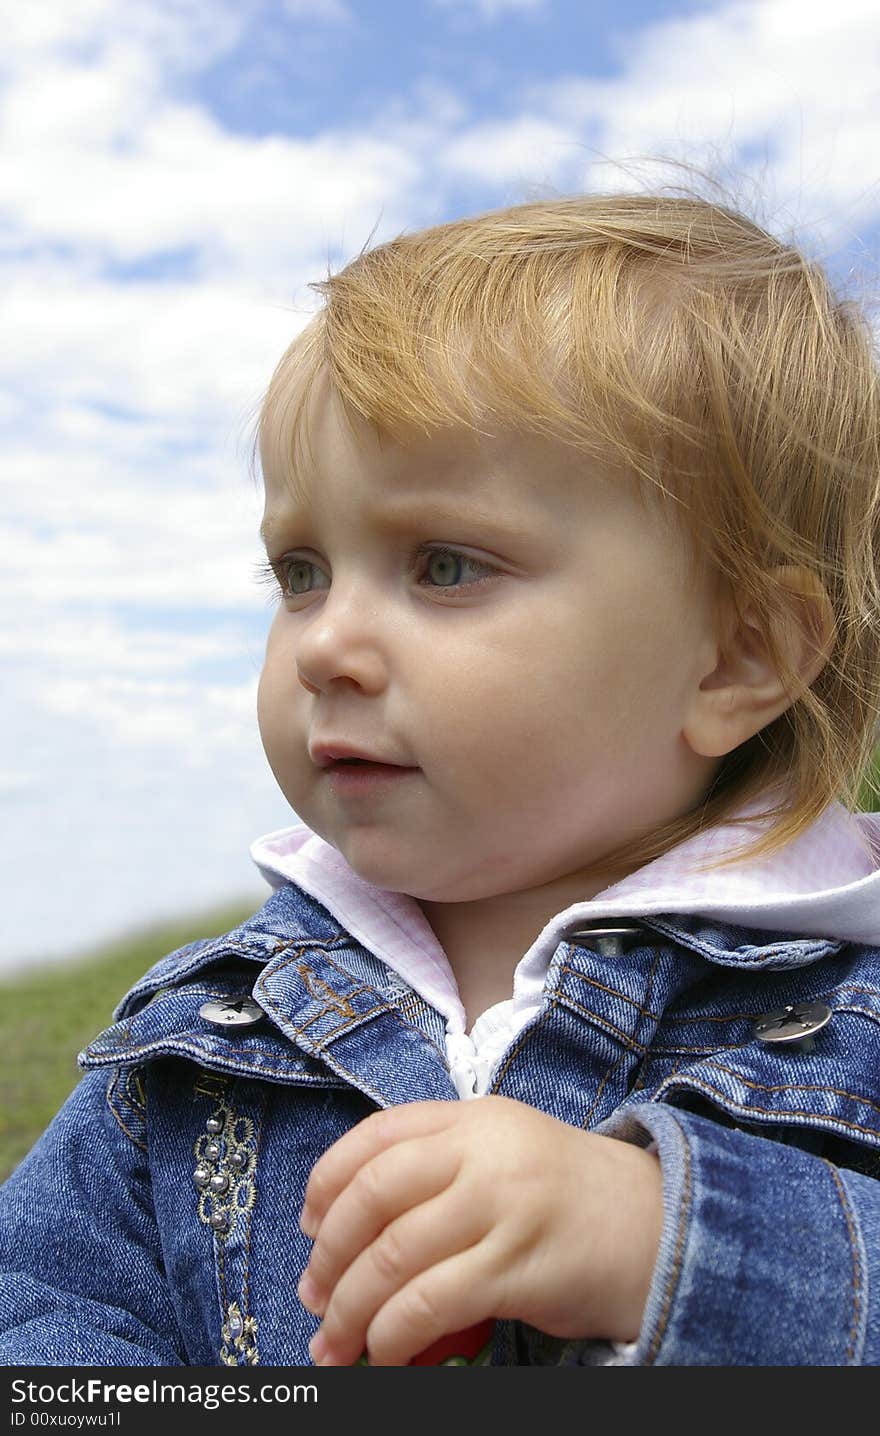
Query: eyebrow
{"x": 403, "y": 519}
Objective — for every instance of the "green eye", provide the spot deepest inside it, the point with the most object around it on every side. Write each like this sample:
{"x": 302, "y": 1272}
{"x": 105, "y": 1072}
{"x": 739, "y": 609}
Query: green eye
{"x": 443, "y": 568}
{"x": 296, "y": 573}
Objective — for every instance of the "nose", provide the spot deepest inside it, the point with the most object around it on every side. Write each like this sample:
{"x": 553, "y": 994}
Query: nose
{"x": 342, "y": 643}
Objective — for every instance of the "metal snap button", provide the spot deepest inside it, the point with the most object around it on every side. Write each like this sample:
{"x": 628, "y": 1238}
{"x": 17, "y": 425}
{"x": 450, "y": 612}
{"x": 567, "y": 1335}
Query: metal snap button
{"x": 793, "y": 1026}
{"x": 231, "y": 1012}
{"x": 608, "y": 939}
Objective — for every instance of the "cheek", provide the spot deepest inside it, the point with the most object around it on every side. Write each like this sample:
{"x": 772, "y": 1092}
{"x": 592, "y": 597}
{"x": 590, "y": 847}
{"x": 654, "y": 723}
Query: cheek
{"x": 275, "y": 688}
{"x": 265, "y": 709}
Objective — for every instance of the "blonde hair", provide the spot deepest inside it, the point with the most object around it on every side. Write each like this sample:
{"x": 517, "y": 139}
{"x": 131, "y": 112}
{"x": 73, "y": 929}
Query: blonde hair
{"x": 704, "y": 359}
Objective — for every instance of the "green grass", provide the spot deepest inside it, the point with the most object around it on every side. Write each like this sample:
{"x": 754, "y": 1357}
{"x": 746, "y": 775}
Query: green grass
{"x": 48, "y": 1014}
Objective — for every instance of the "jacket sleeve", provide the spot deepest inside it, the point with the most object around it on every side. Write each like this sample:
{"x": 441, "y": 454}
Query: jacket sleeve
{"x": 81, "y": 1274}
{"x": 769, "y": 1256}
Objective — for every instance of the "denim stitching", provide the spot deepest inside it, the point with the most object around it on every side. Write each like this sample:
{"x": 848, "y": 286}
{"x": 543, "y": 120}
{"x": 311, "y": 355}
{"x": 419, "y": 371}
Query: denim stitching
{"x": 862, "y": 1011}
{"x": 247, "y": 1245}
{"x": 359, "y": 1085}
{"x": 176, "y": 1047}
{"x": 239, "y": 1328}
{"x": 684, "y": 1214}
{"x": 316, "y": 987}
{"x": 731, "y": 1017}
{"x": 117, "y": 1116}
{"x": 354, "y": 1021}
{"x": 123, "y": 1037}
{"x": 793, "y": 1086}
{"x": 121, "y": 1095}
{"x": 612, "y": 991}
{"x": 618, "y": 1062}
{"x": 137, "y": 1099}
{"x": 702, "y": 1051}
{"x": 669, "y": 1018}
{"x": 857, "y": 1276}
{"x": 523, "y": 1037}
{"x": 364, "y": 987}
{"x": 828, "y": 996}
{"x": 644, "y": 1010}
{"x": 171, "y": 980}
{"x": 740, "y": 1046}
{"x": 763, "y": 954}
{"x": 602, "y": 1022}
{"x": 220, "y": 1253}
{"x": 532, "y": 1028}
{"x": 818, "y": 1119}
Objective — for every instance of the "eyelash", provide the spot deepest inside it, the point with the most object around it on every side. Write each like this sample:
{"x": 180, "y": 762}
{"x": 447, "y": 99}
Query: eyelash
{"x": 273, "y": 572}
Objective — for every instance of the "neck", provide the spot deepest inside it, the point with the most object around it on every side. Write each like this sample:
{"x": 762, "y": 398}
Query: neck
{"x": 485, "y": 939}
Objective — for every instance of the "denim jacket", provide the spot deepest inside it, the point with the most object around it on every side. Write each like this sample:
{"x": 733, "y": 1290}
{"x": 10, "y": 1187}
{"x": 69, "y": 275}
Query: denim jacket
{"x": 156, "y": 1220}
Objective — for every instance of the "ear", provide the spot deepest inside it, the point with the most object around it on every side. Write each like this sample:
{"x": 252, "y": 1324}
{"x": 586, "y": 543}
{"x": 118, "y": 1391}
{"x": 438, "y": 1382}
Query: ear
{"x": 743, "y": 692}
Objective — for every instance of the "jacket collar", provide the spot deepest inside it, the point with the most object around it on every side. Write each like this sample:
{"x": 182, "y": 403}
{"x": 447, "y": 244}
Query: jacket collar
{"x": 820, "y": 891}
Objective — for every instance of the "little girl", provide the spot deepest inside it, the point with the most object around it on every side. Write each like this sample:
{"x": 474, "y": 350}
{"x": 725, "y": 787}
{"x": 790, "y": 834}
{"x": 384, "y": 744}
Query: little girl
{"x": 572, "y": 517}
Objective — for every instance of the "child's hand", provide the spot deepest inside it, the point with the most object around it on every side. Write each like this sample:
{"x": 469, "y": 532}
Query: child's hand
{"x": 430, "y": 1217}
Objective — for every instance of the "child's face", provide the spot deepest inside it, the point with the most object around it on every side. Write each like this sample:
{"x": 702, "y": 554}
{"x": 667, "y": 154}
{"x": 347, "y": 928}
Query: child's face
{"x": 536, "y": 681}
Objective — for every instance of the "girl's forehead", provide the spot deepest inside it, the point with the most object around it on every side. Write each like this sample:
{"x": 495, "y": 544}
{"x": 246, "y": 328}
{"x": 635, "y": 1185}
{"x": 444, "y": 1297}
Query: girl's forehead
{"x": 318, "y": 447}
{"x": 317, "y": 433}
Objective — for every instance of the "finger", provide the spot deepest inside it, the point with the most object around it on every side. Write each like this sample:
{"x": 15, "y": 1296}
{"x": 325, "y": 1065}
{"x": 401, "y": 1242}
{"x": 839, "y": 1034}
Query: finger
{"x": 335, "y": 1169}
{"x": 428, "y": 1235}
{"x": 449, "y": 1297}
{"x": 397, "y": 1179}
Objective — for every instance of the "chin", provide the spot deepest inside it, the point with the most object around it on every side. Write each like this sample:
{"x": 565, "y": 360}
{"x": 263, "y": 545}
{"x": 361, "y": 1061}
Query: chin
{"x": 394, "y": 870}
{"x": 385, "y": 865}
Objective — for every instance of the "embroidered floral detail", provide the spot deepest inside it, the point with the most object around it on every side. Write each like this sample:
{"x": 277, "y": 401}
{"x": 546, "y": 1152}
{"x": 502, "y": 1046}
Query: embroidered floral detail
{"x": 226, "y": 1159}
{"x": 240, "y": 1334}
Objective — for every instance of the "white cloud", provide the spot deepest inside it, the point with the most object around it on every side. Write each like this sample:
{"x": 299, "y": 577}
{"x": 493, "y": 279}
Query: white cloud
{"x": 37, "y": 28}
{"x": 195, "y": 720}
{"x": 178, "y": 34}
{"x": 528, "y": 149}
{"x": 95, "y": 160}
{"x": 93, "y": 646}
{"x": 200, "y": 353}
{"x": 790, "y": 85}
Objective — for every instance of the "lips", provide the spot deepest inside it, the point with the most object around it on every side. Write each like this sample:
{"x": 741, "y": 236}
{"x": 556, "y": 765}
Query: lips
{"x": 344, "y": 755}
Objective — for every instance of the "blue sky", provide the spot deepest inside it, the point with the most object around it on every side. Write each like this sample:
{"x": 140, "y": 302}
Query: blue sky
{"x": 173, "y": 175}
